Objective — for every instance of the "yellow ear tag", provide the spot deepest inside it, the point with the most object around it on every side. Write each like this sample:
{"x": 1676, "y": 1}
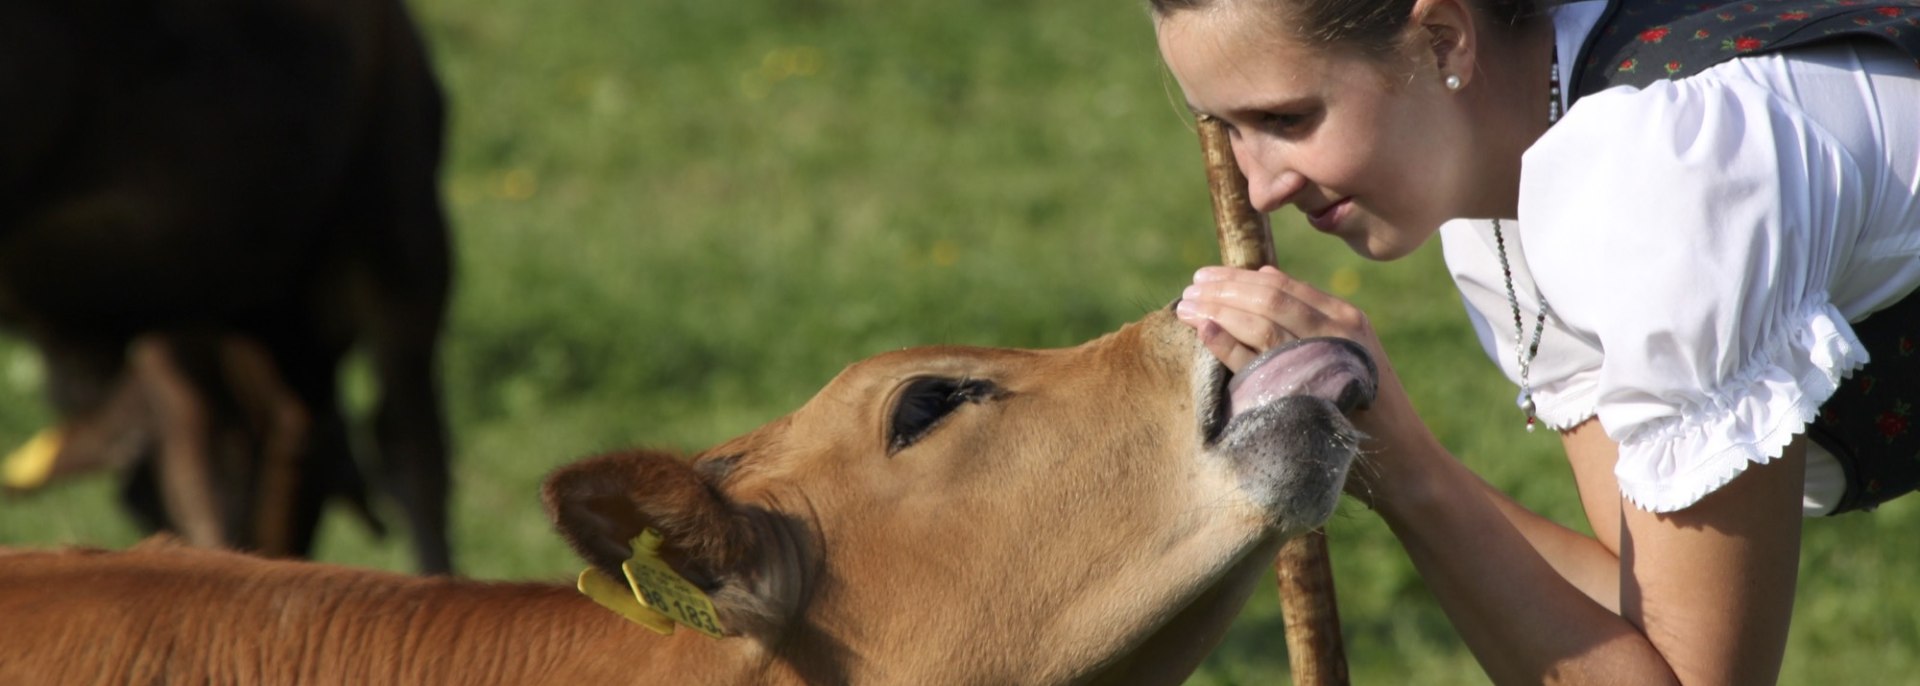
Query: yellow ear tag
{"x": 28, "y": 466}
{"x": 656, "y": 596}
{"x": 618, "y": 597}
{"x": 663, "y": 590}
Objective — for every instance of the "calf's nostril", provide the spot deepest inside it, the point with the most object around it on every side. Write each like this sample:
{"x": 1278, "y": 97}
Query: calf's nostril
{"x": 1356, "y": 395}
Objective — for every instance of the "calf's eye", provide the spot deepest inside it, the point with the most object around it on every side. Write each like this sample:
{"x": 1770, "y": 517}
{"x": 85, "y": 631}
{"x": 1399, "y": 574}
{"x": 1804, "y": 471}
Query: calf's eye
{"x": 927, "y": 401}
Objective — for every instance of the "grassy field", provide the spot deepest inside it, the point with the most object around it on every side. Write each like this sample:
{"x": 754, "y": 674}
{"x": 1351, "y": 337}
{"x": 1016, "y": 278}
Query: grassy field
{"x": 675, "y": 219}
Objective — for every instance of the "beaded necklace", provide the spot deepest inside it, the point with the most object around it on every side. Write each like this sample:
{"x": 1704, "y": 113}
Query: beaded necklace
{"x": 1531, "y": 349}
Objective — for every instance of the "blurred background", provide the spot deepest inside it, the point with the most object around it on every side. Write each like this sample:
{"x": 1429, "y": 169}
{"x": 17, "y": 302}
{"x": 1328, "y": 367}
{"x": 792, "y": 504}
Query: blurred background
{"x": 674, "y": 220}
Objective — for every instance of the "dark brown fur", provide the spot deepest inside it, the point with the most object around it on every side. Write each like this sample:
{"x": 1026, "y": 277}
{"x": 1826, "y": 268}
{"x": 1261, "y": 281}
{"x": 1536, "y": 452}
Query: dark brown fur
{"x": 220, "y": 170}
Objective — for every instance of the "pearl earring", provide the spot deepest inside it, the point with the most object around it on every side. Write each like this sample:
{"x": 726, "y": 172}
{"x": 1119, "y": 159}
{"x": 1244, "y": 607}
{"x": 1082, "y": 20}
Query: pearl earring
{"x": 1453, "y": 82}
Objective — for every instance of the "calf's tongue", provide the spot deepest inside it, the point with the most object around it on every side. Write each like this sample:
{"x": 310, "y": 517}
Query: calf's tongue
{"x": 1334, "y": 369}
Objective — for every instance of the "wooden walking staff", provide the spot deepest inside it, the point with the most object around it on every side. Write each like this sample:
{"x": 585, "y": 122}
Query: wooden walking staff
{"x": 1314, "y": 648}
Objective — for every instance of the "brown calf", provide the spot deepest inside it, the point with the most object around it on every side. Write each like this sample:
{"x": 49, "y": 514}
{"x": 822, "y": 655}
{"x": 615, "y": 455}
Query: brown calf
{"x": 939, "y": 515}
{"x": 204, "y": 171}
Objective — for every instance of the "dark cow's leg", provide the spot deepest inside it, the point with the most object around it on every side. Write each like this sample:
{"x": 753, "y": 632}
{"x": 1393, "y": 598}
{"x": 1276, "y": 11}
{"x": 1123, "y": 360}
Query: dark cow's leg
{"x": 309, "y": 421}
{"x": 329, "y": 470}
{"x": 185, "y": 470}
{"x": 100, "y": 432}
{"x": 413, "y": 447}
{"x": 84, "y": 375}
{"x": 279, "y": 424}
{"x": 405, "y": 315}
{"x": 408, "y": 274}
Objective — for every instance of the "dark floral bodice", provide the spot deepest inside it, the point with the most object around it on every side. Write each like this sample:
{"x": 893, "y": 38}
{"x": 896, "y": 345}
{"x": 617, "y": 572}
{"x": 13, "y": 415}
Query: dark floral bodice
{"x": 1639, "y": 42}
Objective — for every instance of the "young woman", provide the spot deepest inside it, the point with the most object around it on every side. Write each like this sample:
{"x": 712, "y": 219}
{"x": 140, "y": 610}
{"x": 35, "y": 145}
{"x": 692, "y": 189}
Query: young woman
{"x": 1702, "y": 222}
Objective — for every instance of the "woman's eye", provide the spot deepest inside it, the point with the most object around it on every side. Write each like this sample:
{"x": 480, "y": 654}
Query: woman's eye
{"x": 1283, "y": 122}
{"x": 927, "y": 401}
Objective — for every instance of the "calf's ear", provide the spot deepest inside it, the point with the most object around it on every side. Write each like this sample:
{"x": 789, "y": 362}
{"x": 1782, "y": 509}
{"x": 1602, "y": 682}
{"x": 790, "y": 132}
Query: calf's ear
{"x": 600, "y": 504}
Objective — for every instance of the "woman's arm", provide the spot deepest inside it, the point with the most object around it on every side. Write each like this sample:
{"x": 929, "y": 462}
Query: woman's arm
{"x": 1700, "y": 596}
{"x": 1712, "y": 586}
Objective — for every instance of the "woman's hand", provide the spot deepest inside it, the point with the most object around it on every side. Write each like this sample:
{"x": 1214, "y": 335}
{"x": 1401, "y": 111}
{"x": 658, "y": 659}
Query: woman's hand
{"x": 1240, "y": 314}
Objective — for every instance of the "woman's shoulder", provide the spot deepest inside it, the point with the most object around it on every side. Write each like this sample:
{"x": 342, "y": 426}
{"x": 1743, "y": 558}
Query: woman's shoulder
{"x": 1773, "y": 131}
{"x": 1848, "y": 94}
{"x": 1685, "y": 187}
{"x": 1820, "y": 141}
{"x": 1664, "y": 123}
{"x": 1672, "y": 156}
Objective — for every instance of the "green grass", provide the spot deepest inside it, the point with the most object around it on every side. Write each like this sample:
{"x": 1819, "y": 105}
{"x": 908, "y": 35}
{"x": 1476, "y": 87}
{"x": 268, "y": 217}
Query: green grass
{"x": 677, "y": 218}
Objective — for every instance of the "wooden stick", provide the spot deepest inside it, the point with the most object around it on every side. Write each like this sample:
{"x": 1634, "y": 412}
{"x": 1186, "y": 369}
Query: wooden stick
{"x": 1314, "y": 648}
{"x": 1245, "y": 240}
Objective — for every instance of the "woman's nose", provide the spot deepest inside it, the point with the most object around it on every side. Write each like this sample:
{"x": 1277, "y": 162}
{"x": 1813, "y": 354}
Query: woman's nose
{"x": 1270, "y": 185}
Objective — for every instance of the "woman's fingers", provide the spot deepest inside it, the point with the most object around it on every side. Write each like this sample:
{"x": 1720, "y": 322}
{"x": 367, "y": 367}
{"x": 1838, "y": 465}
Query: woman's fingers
{"x": 1234, "y": 337}
{"x": 1257, "y": 320}
{"x": 1269, "y": 277}
{"x": 1223, "y": 345}
{"x": 1258, "y": 310}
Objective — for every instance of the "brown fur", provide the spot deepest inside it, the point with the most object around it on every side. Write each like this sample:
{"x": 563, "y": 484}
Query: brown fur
{"x": 208, "y": 171}
{"x": 1072, "y": 519}
{"x": 180, "y": 615}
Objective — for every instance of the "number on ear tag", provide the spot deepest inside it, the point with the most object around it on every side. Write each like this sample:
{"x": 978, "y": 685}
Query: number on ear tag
{"x": 665, "y": 591}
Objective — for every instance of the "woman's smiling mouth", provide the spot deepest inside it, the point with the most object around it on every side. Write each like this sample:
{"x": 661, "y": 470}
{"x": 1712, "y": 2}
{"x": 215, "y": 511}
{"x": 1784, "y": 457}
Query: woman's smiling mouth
{"x": 1328, "y": 218}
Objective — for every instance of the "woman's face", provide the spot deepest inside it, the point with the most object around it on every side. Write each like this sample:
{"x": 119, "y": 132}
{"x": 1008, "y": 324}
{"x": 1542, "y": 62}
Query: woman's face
{"x": 1366, "y": 156}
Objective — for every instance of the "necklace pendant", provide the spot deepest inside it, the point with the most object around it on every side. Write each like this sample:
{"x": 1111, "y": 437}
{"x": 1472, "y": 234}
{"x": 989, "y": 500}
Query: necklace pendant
{"x": 1529, "y": 423}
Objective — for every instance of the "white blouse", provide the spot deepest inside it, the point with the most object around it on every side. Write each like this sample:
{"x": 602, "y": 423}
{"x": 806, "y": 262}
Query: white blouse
{"x": 1702, "y": 245}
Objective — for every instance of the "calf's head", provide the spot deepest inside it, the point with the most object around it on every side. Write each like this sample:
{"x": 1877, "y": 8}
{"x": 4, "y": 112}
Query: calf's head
{"x": 1006, "y": 516}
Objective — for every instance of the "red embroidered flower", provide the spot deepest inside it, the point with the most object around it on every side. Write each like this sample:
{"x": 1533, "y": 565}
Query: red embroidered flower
{"x": 1893, "y": 423}
{"x": 1699, "y": 34}
{"x": 1628, "y": 65}
{"x": 1725, "y": 16}
{"x": 1866, "y": 384}
{"x": 1863, "y": 21}
{"x": 1747, "y": 43}
{"x": 1907, "y": 346}
{"x": 1749, "y": 8}
{"x": 1794, "y": 16}
{"x": 1673, "y": 67}
{"x": 1654, "y": 35}
{"x": 1888, "y": 11}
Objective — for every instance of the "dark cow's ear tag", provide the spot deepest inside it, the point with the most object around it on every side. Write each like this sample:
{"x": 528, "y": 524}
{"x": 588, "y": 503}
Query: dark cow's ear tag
{"x": 656, "y": 597}
{"x": 29, "y": 466}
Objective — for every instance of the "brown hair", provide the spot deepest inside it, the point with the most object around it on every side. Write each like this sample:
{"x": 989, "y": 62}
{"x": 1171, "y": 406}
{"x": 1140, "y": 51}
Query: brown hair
{"x": 1374, "y": 27}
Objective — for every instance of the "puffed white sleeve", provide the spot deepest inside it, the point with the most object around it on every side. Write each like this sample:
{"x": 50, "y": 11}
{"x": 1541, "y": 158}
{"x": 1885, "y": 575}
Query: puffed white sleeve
{"x": 1690, "y": 228}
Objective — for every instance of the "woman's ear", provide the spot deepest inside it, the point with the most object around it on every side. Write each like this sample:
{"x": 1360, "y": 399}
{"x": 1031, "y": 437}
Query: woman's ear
{"x": 1449, "y": 34}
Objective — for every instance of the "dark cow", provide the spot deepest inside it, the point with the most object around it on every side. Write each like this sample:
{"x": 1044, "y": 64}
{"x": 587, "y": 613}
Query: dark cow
{"x": 204, "y": 205}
